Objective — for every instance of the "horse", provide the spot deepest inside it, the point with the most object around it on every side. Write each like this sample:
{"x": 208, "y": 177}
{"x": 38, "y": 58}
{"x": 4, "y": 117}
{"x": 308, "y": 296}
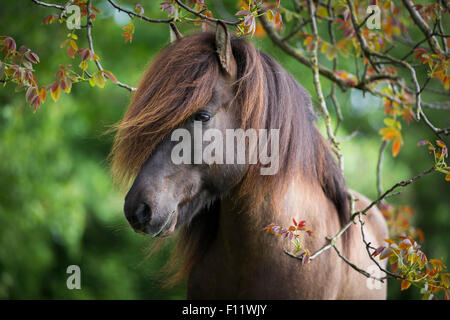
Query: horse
{"x": 219, "y": 211}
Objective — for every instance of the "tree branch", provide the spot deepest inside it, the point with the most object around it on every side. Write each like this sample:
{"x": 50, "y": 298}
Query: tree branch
{"x": 379, "y": 165}
{"x": 296, "y": 54}
{"x": 363, "y": 83}
{"x": 91, "y": 46}
{"x": 437, "y": 105}
{"x": 403, "y": 183}
{"x": 49, "y": 5}
{"x": 318, "y": 87}
{"x": 422, "y": 26}
{"x": 351, "y": 264}
{"x": 137, "y": 15}
{"x": 368, "y": 247}
{"x": 361, "y": 39}
{"x": 332, "y": 240}
{"x": 332, "y": 95}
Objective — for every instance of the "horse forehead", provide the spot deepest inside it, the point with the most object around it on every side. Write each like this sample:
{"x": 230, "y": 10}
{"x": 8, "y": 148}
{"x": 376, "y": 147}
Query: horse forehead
{"x": 223, "y": 90}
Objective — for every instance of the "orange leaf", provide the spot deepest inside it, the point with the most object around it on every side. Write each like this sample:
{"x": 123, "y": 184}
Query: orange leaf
{"x": 394, "y": 267}
{"x": 396, "y": 146}
{"x": 388, "y": 133}
{"x": 420, "y": 234}
{"x": 259, "y": 31}
{"x": 437, "y": 262}
{"x": 43, "y": 94}
{"x": 405, "y": 285}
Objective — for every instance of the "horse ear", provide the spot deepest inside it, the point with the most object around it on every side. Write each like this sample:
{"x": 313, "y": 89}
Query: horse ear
{"x": 224, "y": 50}
{"x": 174, "y": 33}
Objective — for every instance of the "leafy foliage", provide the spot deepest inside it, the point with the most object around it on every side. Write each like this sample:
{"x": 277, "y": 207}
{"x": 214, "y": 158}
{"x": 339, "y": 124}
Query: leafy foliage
{"x": 295, "y": 234}
{"x": 410, "y": 263}
{"x": 129, "y": 31}
{"x": 17, "y": 66}
{"x": 440, "y": 153}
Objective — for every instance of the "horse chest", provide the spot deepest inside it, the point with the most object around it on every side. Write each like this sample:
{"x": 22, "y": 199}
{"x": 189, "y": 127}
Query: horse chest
{"x": 261, "y": 274}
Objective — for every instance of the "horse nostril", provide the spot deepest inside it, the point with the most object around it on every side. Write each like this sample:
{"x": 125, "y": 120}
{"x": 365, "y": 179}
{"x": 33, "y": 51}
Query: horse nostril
{"x": 143, "y": 213}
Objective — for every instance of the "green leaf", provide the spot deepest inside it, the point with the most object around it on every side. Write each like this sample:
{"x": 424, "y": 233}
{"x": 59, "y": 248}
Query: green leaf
{"x": 74, "y": 45}
{"x": 392, "y": 123}
{"x": 329, "y": 50}
{"x": 2, "y": 69}
{"x": 288, "y": 14}
{"x": 99, "y": 79}
{"x": 83, "y": 65}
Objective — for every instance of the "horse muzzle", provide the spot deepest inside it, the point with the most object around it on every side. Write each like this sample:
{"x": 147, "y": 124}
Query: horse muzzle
{"x": 143, "y": 220}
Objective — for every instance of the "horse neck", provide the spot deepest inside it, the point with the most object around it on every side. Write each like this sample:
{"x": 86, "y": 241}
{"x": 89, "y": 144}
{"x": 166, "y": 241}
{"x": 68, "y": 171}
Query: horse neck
{"x": 241, "y": 233}
{"x": 240, "y": 262}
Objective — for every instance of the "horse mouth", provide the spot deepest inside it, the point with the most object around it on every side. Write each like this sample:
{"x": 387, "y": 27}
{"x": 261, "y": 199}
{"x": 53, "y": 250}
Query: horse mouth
{"x": 168, "y": 226}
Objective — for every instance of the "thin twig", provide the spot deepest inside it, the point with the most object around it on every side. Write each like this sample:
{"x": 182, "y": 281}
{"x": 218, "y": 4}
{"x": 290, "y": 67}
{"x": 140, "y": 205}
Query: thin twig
{"x": 351, "y": 264}
{"x": 361, "y": 39}
{"x": 336, "y": 105}
{"x": 444, "y": 93}
{"x": 199, "y": 14}
{"x": 296, "y": 54}
{"x": 318, "y": 87}
{"x": 379, "y": 165}
{"x": 353, "y": 134}
{"x": 48, "y": 5}
{"x": 437, "y": 105}
{"x": 423, "y": 26}
{"x": 368, "y": 247}
{"x": 296, "y": 29}
{"x": 91, "y": 46}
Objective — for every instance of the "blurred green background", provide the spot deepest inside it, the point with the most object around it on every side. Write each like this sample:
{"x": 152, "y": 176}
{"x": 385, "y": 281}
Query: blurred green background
{"x": 57, "y": 203}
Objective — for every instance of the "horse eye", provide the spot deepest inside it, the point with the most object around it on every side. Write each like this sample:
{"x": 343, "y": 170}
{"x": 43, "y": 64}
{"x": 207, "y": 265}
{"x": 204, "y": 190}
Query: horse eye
{"x": 202, "y": 116}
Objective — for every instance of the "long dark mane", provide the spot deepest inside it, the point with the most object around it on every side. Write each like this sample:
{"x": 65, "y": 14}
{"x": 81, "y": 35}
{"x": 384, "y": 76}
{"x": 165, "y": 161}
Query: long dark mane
{"x": 181, "y": 80}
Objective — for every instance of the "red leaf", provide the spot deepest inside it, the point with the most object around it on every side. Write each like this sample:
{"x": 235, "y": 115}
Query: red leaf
{"x": 71, "y": 52}
{"x": 55, "y": 86}
{"x": 85, "y": 54}
{"x": 63, "y": 85}
{"x": 110, "y": 76}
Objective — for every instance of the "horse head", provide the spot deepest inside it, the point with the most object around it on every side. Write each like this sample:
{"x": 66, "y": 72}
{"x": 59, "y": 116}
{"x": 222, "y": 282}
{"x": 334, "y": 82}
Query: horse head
{"x": 167, "y": 193}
